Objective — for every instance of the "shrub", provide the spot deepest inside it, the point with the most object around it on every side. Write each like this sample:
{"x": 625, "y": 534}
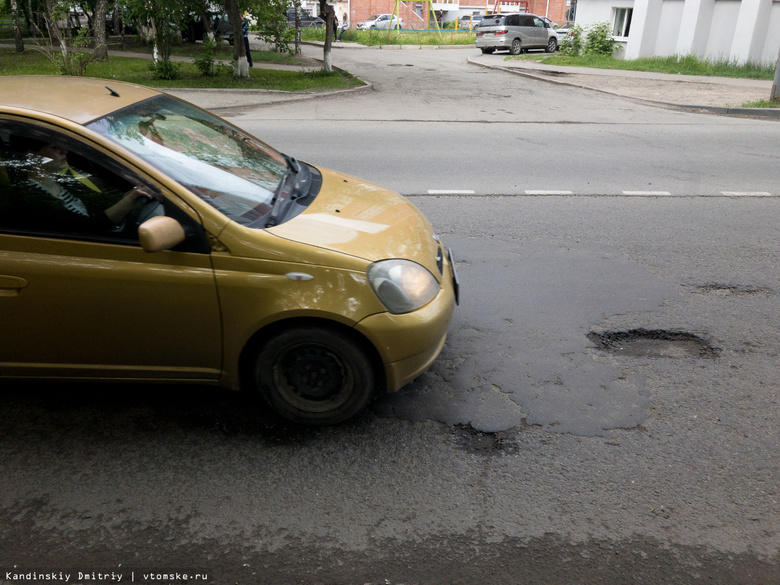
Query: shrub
{"x": 205, "y": 63}
{"x": 164, "y": 69}
{"x": 599, "y": 40}
{"x": 572, "y": 44}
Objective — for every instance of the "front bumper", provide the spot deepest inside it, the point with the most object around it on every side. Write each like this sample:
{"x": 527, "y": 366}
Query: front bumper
{"x": 409, "y": 343}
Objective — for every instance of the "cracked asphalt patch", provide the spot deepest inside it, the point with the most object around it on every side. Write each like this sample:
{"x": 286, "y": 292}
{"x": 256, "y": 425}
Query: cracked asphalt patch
{"x": 528, "y": 307}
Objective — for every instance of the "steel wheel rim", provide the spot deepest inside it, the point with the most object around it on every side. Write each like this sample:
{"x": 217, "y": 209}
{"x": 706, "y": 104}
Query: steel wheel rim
{"x": 313, "y": 377}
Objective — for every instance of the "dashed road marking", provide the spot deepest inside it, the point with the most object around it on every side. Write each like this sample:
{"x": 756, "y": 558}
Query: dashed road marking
{"x": 566, "y": 192}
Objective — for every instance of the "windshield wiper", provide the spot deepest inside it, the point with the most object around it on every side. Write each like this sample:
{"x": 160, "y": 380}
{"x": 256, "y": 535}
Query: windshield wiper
{"x": 293, "y": 168}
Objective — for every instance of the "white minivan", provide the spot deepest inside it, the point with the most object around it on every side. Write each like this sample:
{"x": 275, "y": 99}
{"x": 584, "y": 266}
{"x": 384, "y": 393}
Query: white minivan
{"x": 515, "y": 33}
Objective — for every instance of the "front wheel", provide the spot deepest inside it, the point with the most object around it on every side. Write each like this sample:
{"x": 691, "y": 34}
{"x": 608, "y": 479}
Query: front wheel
{"x": 314, "y": 375}
{"x": 552, "y": 46}
{"x": 516, "y": 47}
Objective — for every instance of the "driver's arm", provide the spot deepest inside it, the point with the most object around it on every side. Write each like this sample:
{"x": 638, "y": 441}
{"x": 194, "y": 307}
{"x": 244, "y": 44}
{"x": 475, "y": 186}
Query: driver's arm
{"x": 121, "y": 208}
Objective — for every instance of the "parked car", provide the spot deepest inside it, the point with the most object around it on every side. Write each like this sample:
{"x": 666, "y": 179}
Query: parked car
{"x": 563, "y": 31}
{"x": 123, "y": 27}
{"x": 307, "y": 20}
{"x": 145, "y": 239}
{"x": 515, "y": 33}
{"x": 219, "y": 24}
{"x": 381, "y": 21}
{"x": 470, "y": 20}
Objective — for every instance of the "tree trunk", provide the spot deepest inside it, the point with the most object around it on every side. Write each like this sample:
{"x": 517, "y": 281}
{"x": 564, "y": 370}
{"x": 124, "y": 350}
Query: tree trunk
{"x": 329, "y": 13}
{"x": 55, "y": 33}
{"x": 240, "y": 63}
{"x": 297, "y": 6}
{"x": 156, "y": 45}
{"x": 99, "y": 23}
{"x": 17, "y": 29}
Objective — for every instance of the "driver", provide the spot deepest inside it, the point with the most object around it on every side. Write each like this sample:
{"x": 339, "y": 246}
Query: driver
{"x": 48, "y": 173}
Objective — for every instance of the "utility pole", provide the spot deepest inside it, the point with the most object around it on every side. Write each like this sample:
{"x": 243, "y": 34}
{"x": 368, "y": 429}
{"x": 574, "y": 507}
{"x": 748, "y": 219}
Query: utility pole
{"x": 775, "y": 95}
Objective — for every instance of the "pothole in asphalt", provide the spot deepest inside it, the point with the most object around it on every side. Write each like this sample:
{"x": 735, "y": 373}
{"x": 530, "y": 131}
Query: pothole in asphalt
{"x": 484, "y": 443}
{"x": 654, "y": 343}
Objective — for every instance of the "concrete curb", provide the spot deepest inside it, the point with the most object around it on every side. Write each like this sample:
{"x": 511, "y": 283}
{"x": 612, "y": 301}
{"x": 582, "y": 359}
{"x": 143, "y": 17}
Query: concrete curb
{"x": 768, "y": 113}
{"x": 349, "y": 46}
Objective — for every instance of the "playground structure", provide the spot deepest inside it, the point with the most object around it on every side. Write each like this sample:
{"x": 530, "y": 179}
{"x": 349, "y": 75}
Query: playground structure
{"x": 500, "y": 6}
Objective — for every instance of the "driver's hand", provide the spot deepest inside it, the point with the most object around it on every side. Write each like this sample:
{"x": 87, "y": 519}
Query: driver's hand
{"x": 138, "y": 192}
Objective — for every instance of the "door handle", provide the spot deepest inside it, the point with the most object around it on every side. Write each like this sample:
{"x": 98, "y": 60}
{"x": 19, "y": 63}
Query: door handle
{"x": 11, "y": 285}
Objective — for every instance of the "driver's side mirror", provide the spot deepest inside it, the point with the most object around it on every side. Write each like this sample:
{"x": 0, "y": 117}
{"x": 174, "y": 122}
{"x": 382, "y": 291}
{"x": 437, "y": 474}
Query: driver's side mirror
{"x": 160, "y": 233}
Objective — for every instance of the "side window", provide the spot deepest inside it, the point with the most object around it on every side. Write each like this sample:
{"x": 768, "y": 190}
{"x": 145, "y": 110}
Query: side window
{"x": 513, "y": 20}
{"x": 538, "y": 22}
{"x": 55, "y": 186}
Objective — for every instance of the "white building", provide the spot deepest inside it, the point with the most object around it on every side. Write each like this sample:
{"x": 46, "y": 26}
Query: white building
{"x": 732, "y": 30}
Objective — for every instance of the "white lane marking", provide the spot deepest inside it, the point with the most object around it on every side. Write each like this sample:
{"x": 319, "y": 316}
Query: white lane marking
{"x": 746, "y": 193}
{"x": 652, "y": 193}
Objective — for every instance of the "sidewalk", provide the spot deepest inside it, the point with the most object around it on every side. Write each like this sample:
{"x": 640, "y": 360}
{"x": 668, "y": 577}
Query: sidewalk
{"x": 715, "y": 95}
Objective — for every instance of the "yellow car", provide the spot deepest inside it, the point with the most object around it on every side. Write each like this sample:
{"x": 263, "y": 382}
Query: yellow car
{"x": 145, "y": 239}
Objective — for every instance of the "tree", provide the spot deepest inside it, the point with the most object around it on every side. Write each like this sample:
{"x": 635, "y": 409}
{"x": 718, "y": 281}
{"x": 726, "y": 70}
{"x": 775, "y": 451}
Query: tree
{"x": 272, "y": 26}
{"x": 240, "y": 63}
{"x": 329, "y": 14}
{"x": 297, "y": 7}
{"x": 163, "y": 20}
{"x": 17, "y": 29}
{"x": 99, "y": 30}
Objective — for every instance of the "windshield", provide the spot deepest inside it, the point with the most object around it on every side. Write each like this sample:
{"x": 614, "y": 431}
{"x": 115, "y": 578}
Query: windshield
{"x": 228, "y": 169}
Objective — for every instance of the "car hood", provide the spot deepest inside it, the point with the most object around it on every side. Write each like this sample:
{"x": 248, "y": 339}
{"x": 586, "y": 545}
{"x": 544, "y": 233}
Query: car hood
{"x": 359, "y": 218}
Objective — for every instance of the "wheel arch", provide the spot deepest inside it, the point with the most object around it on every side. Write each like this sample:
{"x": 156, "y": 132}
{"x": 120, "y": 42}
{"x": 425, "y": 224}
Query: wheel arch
{"x": 255, "y": 343}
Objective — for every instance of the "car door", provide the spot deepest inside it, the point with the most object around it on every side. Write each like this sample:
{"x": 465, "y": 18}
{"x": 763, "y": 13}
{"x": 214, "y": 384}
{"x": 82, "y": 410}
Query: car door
{"x": 540, "y": 32}
{"x": 82, "y": 299}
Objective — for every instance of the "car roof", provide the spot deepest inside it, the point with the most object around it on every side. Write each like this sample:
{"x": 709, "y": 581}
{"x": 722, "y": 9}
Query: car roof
{"x": 79, "y": 99}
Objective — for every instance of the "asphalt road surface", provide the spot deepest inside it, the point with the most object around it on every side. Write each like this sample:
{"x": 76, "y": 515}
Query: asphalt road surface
{"x": 605, "y": 409}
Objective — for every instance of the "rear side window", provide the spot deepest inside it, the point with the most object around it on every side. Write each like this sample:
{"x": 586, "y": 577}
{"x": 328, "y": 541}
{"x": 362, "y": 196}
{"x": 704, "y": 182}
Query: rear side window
{"x": 493, "y": 21}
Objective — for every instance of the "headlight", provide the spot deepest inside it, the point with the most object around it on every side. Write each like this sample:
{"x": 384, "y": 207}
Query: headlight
{"x": 402, "y": 285}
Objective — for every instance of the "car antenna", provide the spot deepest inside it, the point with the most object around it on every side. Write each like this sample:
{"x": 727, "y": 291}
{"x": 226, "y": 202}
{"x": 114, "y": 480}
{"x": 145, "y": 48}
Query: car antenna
{"x": 113, "y": 93}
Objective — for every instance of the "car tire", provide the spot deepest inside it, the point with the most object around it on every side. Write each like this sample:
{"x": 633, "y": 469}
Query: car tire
{"x": 314, "y": 375}
{"x": 552, "y": 46}
{"x": 516, "y": 47}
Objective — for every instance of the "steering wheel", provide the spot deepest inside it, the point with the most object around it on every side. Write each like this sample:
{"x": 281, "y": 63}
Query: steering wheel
{"x": 149, "y": 208}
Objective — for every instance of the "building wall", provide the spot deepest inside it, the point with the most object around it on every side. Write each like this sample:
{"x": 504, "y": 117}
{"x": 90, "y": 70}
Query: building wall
{"x": 363, "y": 9}
{"x": 724, "y": 23}
{"x": 669, "y": 28}
{"x": 735, "y": 30}
{"x": 415, "y": 17}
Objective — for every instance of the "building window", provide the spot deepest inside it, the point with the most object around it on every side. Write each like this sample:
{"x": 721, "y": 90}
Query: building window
{"x": 622, "y": 23}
